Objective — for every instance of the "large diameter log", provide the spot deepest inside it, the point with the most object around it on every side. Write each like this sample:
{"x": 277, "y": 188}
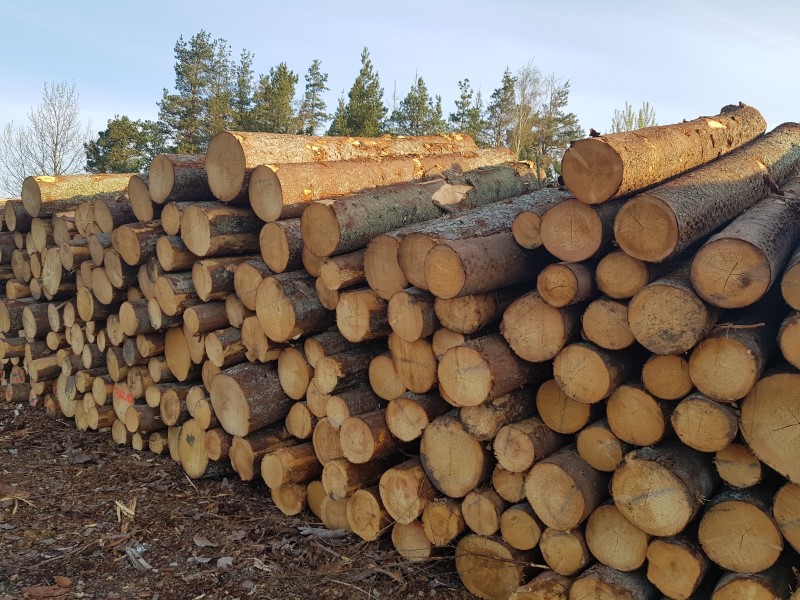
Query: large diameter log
{"x": 573, "y": 231}
{"x": 609, "y": 166}
{"x": 704, "y": 424}
{"x": 178, "y": 177}
{"x": 737, "y": 266}
{"x": 668, "y": 317}
{"x": 287, "y": 306}
{"x": 219, "y": 230}
{"x": 476, "y": 265}
{"x": 232, "y": 155}
{"x": 445, "y": 438}
{"x": 600, "y": 582}
{"x": 615, "y": 541}
{"x": 737, "y": 530}
{"x": 485, "y": 368}
{"x": 660, "y": 489}
{"x": 768, "y": 415}
{"x": 537, "y": 331}
{"x": 667, "y": 219}
{"x": 44, "y": 195}
{"x": 489, "y": 567}
{"x": 361, "y": 315}
{"x": 282, "y": 190}
{"x": 247, "y": 397}
{"x": 564, "y": 490}
{"x": 588, "y": 373}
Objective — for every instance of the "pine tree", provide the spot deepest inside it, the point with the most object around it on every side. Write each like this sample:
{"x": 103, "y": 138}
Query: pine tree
{"x": 242, "y": 102}
{"x": 417, "y": 113}
{"x": 274, "y": 110}
{"x": 628, "y": 120}
{"x": 339, "y": 123}
{"x": 312, "y": 111}
{"x": 468, "y": 116}
{"x": 364, "y": 112}
{"x": 220, "y": 90}
{"x": 500, "y": 112}
{"x": 125, "y": 146}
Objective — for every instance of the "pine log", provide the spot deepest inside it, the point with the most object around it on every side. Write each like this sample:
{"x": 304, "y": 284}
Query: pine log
{"x": 600, "y": 448}
{"x": 294, "y": 372}
{"x": 405, "y": 490}
{"x": 518, "y": 445}
{"x": 482, "y": 509}
{"x": 281, "y": 245}
{"x": 573, "y": 231}
{"x": 661, "y": 489}
{"x": 484, "y": 421}
{"x": 311, "y": 263}
{"x": 178, "y": 177}
{"x": 666, "y": 376}
{"x": 34, "y": 320}
{"x": 191, "y": 449}
{"x": 489, "y": 567}
{"x": 366, "y": 515}
{"x": 667, "y": 219}
{"x": 175, "y": 292}
{"x": 527, "y": 226}
{"x": 600, "y": 168}
{"x": 767, "y": 418}
{"x": 300, "y": 421}
{"x": 383, "y": 377}
{"x": 520, "y": 527}
{"x": 247, "y": 278}
{"x": 559, "y": 412}
{"x": 246, "y": 453}
{"x": 282, "y": 190}
{"x": 620, "y": 276}
{"x": 415, "y": 363}
{"x": 259, "y": 347}
{"x": 136, "y": 242}
{"x": 367, "y": 437}
{"x": 232, "y": 155}
{"x": 110, "y": 214}
{"x": 737, "y": 466}
{"x": 676, "y": 566}
{"x": 345, "y": 369}
{"x": 562, "y": 284}
{"x": 102, "y": 389}
{"x": 588, "y": 373}
{"x": 381, "y": 266}
{"x": 16, "y": 217}
{"x": 703, "y": 424}
{"x": 547, "y": 585}
{"x": 614, "y": 541}
{"x": 42, "y": 196}
{"x": 143, "y": 419}
{"x": 343, "y": 271}
{"x": 11, "y": 314}
{"x": 605, "y": 323}
{"x": 737, "y": 530}
{"x": 16, "y": 289}
{"x": 790, "y": 281}
{"x": 485, "y": 368}
{"x": 216, "y": 229}
{"x": 291, "y": 499}
{"x": 786, "y": 510}
{"x": 537, "y": 331}
{"x": 247, "y": 397}
{"x": 287, "y": 307}
{"x": 291, "y": 464}
{"x": 442, "y": 521}
{"x": 636, "y": 417}
{"x": 361, "y": 315}
{"x": 408, "y": 415}
{"x": 600, "y": 582}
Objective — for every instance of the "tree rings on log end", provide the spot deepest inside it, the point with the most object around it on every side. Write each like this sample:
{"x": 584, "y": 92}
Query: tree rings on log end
{"x": 592, "y": 170}
{"x": 488, "y": 568}
{"x": 225, "y": 165}
{"x": 320, "y": 229}
{"x": 646, "y": 228}
{"x": 445, "y": 274}
{"x": 730, "y": 273}
{"x": 572, "y": 231}
{"x": 161, "y": 177}
{"x": 265, "y": 192}
{"x": 465, "y": 376}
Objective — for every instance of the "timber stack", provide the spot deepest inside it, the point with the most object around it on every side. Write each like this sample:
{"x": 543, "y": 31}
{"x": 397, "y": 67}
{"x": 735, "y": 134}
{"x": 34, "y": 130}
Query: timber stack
{"x": 411, "y": 337}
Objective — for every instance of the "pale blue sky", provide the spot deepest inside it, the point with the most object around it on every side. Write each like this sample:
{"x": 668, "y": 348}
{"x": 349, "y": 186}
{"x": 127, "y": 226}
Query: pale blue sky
{"x": 688, "y": 58}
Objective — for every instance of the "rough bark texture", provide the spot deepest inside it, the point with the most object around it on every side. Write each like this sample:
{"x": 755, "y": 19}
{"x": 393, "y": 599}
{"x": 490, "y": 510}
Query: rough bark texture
{"x": 44, "y": 195}
{"x": 178, "y": 178}
{"x": 485, "y": 421}
{"x": 216, "y": 229}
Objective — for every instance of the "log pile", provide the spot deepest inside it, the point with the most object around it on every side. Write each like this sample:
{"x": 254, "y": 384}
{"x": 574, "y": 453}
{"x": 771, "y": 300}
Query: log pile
{"x": 406, "y": 336}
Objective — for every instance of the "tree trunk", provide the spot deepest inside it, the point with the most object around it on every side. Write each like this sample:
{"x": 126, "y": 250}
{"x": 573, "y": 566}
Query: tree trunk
{"x": 664, "y": 221}
{"x": 676, "y": 566}
{"x": 11, "y": 314}
{"x": 136, "y": 242}
{"x": 246, "y": 279}
{"x": 600, "y": 582}
{"x": 205, "y": 317}
{"x": 605, "y": 323}
{"x": 247, "y": 397}
{"x": 738, "y": 467}
{"x": 588, "y": 373}
{"x": 489, "y": 567}
{"x": 415, "y": 363}
{"x": 173, "y": 255}
{"x": 770, "y": 408}
{"x": 44, "y": 195}
{"x": 178, "y": 178}
{"x": 661, "y": 489}
{"x": 16, "y": 217}
{"x": 536, "y": 331}
{"x": 600, "y": 448}
{"x": 666, "y": 376}
{"x": 287, "y": 307}
{"x": 361, "y": 315}
{"x": 343, "y": 271}
{"x": 232, "y": 155}
{"x": 599, "y": 168}
{"x": 573, "y": 231}
{"x": 381, "y": 266}
{"x": 636, "y": 417}
{"x": 408, "y": 416}
{"x": 141, "y": 202}
{"x": 383, "y": 377}
{"x": 218, "y": 443}
{"x": 143, "y": 419}
{"x": 518, "y": 445}
{"x": 292, "y": 464}
{"x": 483, "y": 369}
{"x": 281, "y": 245}
{"x": 482, "y": 509}
{"x": 703, "y": 424}
{"x": 219, "y": 230}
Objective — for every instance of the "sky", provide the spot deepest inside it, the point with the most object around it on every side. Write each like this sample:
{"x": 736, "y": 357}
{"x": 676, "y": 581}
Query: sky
{"x": 687, "y": 58}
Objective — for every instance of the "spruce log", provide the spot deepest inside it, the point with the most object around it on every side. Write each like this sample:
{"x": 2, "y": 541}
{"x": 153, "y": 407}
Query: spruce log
{"x": 588, "y": 373}
{"x": 341, "y": 478}
{"x": 776, "y": 582}
{"x": 408, "y": 415}
{"x": 258, "y": 345}
{"x": 205, "y": 317}
{"x": 518, "y": 445}
{"x": 178, "y": 177}
{"x": 600, "y": 168}
{"x": 737, "y": 466}
{"x": 291, "y": 499}
{"x": 247, "y": 278}
{"x": 294, "y": 372}
{"x": 136, "y": 242}
{"x": 620, "y": 276}
{"x": 343, "y": 370}
{"x": 343, "y": 271}
{"x": 660, "y": 489}
{"x": 218, "y": 230}
{"x": 110, "y": 214}
{"x": 703, "y": 424}
{"x": 605, "y": 323}
{"x": 537, "y": 331}
{"x": 141, "y": 202}
{"x": 324, "y": 344}
{"x": 562, "y": 284}
{"x": 411, "y": 543}
{"x": 326, "y": 441}
{"x": 352, "y": 403}
{"x": 676, "y": 566}
{"x": 615, "y": 541}
{"x": 415, "y": 363}
{"x": 790, "y": 281}
{"x": 224, "y": 347}
{"x": 471, "y": 313}
{"x": 175, "y": 292}
{"x": 573, "y": 231}
{"x": 361, "y": 315}
{"x": 600, "y": 582}
{"x": 786, "y": 510}
{"x": 311, "y": 263}
{"x": 11, "y": 314}
{"x": 666, "y": 376}
{"x": 484, "y": 421}
{"x": 287, "y": 307}
{"x": 559, "y": 412}
{"x": 489, "y": 567}
{"x": 666, "y": 220}
{"x": 366, "y": 515}
{"x": 171, "y": 216}
{"x": 44, "y": 195}
{"x": 636, "y": 417}
{"x": 281, "y": 245}
{"x": 300, "y": 421}
{"x": 327, "y": 297}
{"x": 600, "y": 448}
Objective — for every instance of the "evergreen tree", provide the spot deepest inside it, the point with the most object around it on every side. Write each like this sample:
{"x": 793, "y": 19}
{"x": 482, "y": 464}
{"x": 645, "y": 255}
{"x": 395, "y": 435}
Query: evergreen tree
{"x": 500, "y": 112}
{"x": 364, "y": 112}
{"x": 242, "y": 103}
{"x": 312, "y": 111}
{"x": 125, "y": 146}
{"x": 220, "y": 90}
{"x": 274, "y": 110}
{"x": 628, "y": 120}
{"x": 339, "y": 122}
{"x": 417, "y": 113}
{"x": 468, "y": 116}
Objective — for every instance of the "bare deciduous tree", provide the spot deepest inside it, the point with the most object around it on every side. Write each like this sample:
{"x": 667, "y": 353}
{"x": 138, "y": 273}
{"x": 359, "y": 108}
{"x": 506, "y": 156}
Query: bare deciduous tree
{"x": 50, "y": 144}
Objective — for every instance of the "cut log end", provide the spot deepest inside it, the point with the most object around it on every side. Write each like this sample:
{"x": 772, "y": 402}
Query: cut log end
{"x": 488, "y": 567}
{"x": 731, "y": 273}
{"x": 572, "y": 231}
{"x": 320, "y": 229}
{"x": 620, "y": 276}
{"x": 161, "y": 178}
{"x": 266, "y": 194}
{"x": 225, "y": 165}
{"x": 646, "y": 228}
{"x": 445, "y": 275}
{"x": 592, "y": 170}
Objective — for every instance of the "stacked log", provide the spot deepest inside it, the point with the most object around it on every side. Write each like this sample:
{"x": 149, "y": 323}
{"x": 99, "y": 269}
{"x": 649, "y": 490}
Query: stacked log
{"x": 456, "y": 360}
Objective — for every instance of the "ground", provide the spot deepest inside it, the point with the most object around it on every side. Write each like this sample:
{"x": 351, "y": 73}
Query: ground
{"x": 81, "y": 518}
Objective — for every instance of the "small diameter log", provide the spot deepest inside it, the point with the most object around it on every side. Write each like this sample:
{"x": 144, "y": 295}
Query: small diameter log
{"x": 341, "y": 477}
{"x": 102, "y": 389}
{"x": 411, "y": 314}
{"x": 520, "y": 527}
{"x": 134, "y": 318}
{"x": 666, "y": 220}
{"x": 136, "y": 242}
{"x": 351, "y": 403}
{"x": 343, "y": 370}
{"x": 287, "y": 307}
{"x": 775, "y": 582}
{"x": 485, "y": 368}
{"x": 471, "y": 313}
{"x": 311, "y": 263}
{"x": 213, "y": 278}
{"x": 559, "y": 412}
{"x": 442, "y": 521}
{"x": 98, "y": 243}
{"x": 367, "y": 437}
{"x": 178, "y": 177}
{"x": 600, "y": 168}
{"x": 176, "y": 352}
{"x": 484, "y": 421}
{"x": 765, "y": 413}
{"x": 790, "y": 281}
{"x": 563, "y": 489}
{"x": 281, "y": 245}
{"x": 159, "y": 319}
{"x": 789, "y": 339}
{"x": 405, "y": 490}
{"x": 381, "y": 266}
{"x": 16, "y": 217}
{"x": 666, "y": 376}
{"x": 247, "y": 278}
{"x": 110, "y": 214}
{"x": 547, "y": 585}
{"x": 119, "y": 434}
{"x": 445, "y": 438}
{"x": 676, "y": 566}
{"x": 173, "y": 255}
{"x": 218, "y": 230}
{"x": 588, "y": 373}
{"x": 383, "y": 377}
{"x": 343, "y": 271}
{"x": 11, "y": 314}
{"x": 482, "y": 509}
{"x": 600, "y": 448}
{"x": 259, "y": 347}
{"x": 34, "y": 320}
{"x": 614, "y": 541}
{"x": 294, "y": 372}
{"x": 246, "y": 453}
{"x": 415, "y": 363}
{"x": 224, "y": 347}
{"x": 620, "y": 276}
{"x": 141, "y": 202}
{"x": 636, "y": 417}
{"x": 661, "y": 489}
{"x": 411, "y": 543}
{"x": 175, "y": 292}
{"x": 291, "y": 464}
{"x": 366, "y": 515}
{"x": 562, "y": 284}
{"x": 737, "y": 266}
{"x": 42, "y": 196}
{"x": 475, "y": 265}
{"x": 407, "y": 416}
{"x": 573, "y": 231}
{"x": 290, "y": 499}
{"x": 361, "y": 315}
{"x": 143, "y": 419}
{"x": 537, "y": 331}
{"x": 703, "y": 424}
{"x": 300, "y": 421}
{"x": 605, "y": 323}
{"x": 786, "y": 510}
{"x": 191, "y": 449}
{"x": 324, "y": 344}
{"x": 604, "y": 583}
{"x": 328, "y": 298}
{"x": 518, "y": 445}
{"x": 737, "y": 530}
{"x": 326, "y": 441}
{"x": 738, "y": 467}
{"x": 489, "y": 567}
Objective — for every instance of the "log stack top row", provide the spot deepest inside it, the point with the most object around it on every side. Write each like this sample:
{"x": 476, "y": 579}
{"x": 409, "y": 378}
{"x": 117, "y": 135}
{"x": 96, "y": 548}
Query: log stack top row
{"x": 412, "y": 334}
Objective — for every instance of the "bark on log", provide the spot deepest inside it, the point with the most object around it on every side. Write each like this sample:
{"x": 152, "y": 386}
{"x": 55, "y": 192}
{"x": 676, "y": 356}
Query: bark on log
{"x": 327, "y": 297}
{"x": 344, "y": 369}
{"x": 790, "y": 281}
{"x": 484, "y": 421}
{"x": 219, "y": 230}
{"x": 213, "y": 278}
{"x": 326, "y": 440}
{"x": 247, "y": 278}
{"x": 620, "y": 276}
{"x": 110, "y": 214}
{"x": 482, "y": 509}
{"x": 175, "y": 292}
{"x": 666, "y": 376}
{"x": 246, "y": 453}
{"x": 789, "y": 339}
{"x": 136, "y": 242}
{"x": 43, "y": 195}
{"x": 224, "y": 347}
{"x": 294, "y": 372}
{"x": 405, "y": 490}
{"x": 178, "y": 177}
{"x": 667, "y": 219}
{"x": 324, "y": 344}
{"x": 343, "y": 271}
{"x": 786, "y": 510}
{"x": 548, "y": 585}
{"x": 518, "y": 445}
{"x": 141, "y": 202}
{"x": 361, "y": 315}
{"x": 703, "y": 424}
{"x": 600, "y": 582}
{"x": 259, "y": 347}
{"x": 292, "y": 464}
{"x": 367, "y": 437}
{"x": 562, "y": 284}
{"x": 281, "y": 245}
{"x": 351, "y": 403}
{"x": 300, "y": 421}
{"x": 773, "y": 583}
{"x": 536, "y": 331}
{"x": 520, "y": 527}
{"x": 597, "y": 169}
{"x": 366, "y": 515}
{"x": 471, "y": 313}
{"x": 573, "y": 231}
{"x": 287, "y": 307}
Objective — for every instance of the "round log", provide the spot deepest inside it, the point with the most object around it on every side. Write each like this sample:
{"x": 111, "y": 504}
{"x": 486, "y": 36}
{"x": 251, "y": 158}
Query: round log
{"x": 405, "y": 490}
{"x": 600, "y": 582}
{"x": 518, "y": 445}
{"x": 281, "y": 245}
{"x": 565, "y": 552}
{"x": 786, "y": 510}
{"x": 676, "y": 566}
{"x": 215, "y": 229}
{"x": 287, "y": 307}
{"x": 636, "y": 417}
{"x": 559, "y": 412}
{"x": 600, "y": 448}
{"x": 411, "y": 314}
{"x": 408, "y": 415}
{"x": 366, "y": 515}
{"x": 489, "y": 567}
{"x": 383, "y": 377}
{"x": 588, "y": 373}
{"x": 666, "y": 376}
{"x": 361, "y": 315}
{"x": 562, "y": 284}
{"x": 573, "y": 231}
{"x": 737, "y": 466}
{"x": 442, "y": 521}
{"x": 415, "y": 363}
{"x": 615, "y": 541}
{"x": 703, "y": 424}
{"x": 605, "y": 323}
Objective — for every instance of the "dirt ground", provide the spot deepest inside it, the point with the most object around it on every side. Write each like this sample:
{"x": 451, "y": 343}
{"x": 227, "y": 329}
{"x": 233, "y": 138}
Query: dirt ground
{"x": 80, "y": 518}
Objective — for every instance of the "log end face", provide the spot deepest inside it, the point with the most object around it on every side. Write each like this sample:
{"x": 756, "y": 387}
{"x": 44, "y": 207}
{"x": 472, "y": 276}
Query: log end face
{"x": 141, "y": 202}
{"x": 274, "y": 247}
{"x": 358, "y": 444}
{"x": 127, "y": 245}
{"x": 411, "y": 256}
{"x": 445, "y": 275}
{"x": 275, "y": 311}
{"x": 452, "y": 458}
{"x": 272, "y": 471}
{"x": 196, "y": 230}
{"x": 381, "y": 267}
{"x": 572, "y": 231}
{"x": 730, "y": 273}
{"x": 31, "y": 198}
{"x": 555, "y": 497}
{"x": 557, "y": 285}
{"x": 646, "y": 228}
{"x": 266, "y": 194}
{"x": 790, "y": 285}
{"x": 464, "y": 376}
{"x": 226, "y": 166}
{"x": 161, "y": 178}
{"x": 666, "y": 376}
{"x": 191, "y": 449}
{"x": 592, "y": 170}
{"x": 487, "y": 568}
{"x": 320, "y": 229}
{"x": 581, "y": 374}
{"x": 526, "y": 229}
{"x": 723, "y": 368}
{"x": 230, "y": 405}
{"x": 620, "y": 276}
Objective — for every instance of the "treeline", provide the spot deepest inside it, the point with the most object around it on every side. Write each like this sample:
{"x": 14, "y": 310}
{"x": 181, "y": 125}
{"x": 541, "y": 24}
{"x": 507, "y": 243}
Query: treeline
{"x": 212, "y": 92}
